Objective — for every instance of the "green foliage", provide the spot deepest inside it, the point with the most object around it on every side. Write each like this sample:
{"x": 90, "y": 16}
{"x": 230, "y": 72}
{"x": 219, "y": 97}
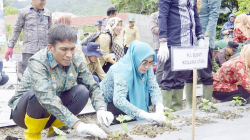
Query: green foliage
{"x": 10, "y": 11}
{"x": 7, "y": 3}
{"x": 117, "y": 134}
{"x": 244, "y": 7}
{"x": 60, "y": 133}
{"x": 207, "y": 106}
{"x": 238, "y": 101}
{"x": 136, "y": 6}
{"x": 121, "y": 119}
{"x": 8, "y": 30}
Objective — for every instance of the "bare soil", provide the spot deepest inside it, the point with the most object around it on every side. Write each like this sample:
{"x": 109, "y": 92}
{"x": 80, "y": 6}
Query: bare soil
{"x": 199, "y": 121}
{"x": 228, "y": 115}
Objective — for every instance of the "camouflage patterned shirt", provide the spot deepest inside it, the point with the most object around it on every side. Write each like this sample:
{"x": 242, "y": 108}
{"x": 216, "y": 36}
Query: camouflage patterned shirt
{"x": 48, "y": 80}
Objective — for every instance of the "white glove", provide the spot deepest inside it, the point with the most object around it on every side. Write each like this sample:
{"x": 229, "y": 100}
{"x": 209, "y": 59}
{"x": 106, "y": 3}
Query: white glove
{"x": 163, "y": 53}
{"x": 159, "y": 109}
{"x": 201, "y": 43}
{"x": 105, "y": 117}
{"x": 153, "y": 117}
{"x": 91, "y": 129}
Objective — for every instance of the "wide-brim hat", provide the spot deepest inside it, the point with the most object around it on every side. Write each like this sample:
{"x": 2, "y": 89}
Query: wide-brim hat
{"x": 92, "y": 49}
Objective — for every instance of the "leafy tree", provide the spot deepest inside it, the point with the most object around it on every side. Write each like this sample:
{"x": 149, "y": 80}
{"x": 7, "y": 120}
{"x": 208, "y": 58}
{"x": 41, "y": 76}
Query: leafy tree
{"x": 10, "y": 11}
{"x": 8, "y": 30}
{"x": 7, "y": 3}
{"x": 244, "y": 7}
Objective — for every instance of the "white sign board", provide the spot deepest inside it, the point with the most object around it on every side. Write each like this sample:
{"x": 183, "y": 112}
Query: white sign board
{"x": 188, "y": 58}
{"x": 16, "y": 57}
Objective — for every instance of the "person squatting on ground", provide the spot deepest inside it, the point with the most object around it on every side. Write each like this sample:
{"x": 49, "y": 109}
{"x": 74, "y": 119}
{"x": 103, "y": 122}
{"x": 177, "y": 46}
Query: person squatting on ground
{"x": 227, "y": 31}
{"x": 242, "y": 28}
{"x": 225, "y": 53}
{"x": 110, "y": 14}
{"x": 130, "y": 33}
{"x": 178, "y": 24}
{"x": 111, "y": 42}
{"x": 153, "y": 25}
{"x": 55, "y": 88}
{"x": 233, "y": 78}
{"x": 35, "y": 20}
{"x": 214, "y": 64}
{"x": 90, "y": 56}
{"x": 99, "y": 25}
{"x": 238, "y": 54}
{"x": 3, "y": 78}
{"x": 130, "y": 85}
{"x": 208, "y": 11}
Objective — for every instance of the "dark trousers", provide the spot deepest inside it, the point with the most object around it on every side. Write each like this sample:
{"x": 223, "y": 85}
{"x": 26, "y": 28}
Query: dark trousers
{"x": 74, "y": 99}
{"x": 159, "y": 72}
{"x": 106, "y": 67}
{"x": 173, "y": 79}
{"x": 23, "y": 65}
{"x": 125, "y": 49}
{"x": 228, "y": 96}
{"x": 205, "y": 75}
{"x": 3, "y": 78}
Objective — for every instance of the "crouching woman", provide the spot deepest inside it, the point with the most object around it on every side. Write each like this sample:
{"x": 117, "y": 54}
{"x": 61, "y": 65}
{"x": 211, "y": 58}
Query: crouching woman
{"x": 130, "y": 84}
{"x": 233, "y": 78}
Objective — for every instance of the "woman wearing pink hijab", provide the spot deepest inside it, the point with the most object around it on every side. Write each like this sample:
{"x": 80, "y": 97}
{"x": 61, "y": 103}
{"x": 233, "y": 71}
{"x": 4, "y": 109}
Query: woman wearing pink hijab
{"x": 242, "y": 28}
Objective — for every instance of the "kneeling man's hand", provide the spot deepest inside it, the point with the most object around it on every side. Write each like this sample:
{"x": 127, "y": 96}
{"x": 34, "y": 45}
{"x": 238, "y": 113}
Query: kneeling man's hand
{"x": 105, "y": 117}
{"x": 91, "y": 129}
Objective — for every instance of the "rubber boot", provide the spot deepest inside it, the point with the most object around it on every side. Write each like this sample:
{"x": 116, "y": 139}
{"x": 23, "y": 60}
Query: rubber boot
{"x": 167, "y": 98}
{"x": 177, "y": 99}
{"x": 189, "y": 95}
{"x": 208, "y": 92}
{"x": 57, "y": 123}
{"x": 34, "y": 127}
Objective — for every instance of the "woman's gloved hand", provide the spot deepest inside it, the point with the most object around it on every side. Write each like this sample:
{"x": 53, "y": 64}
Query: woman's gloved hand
{"x": 153, "y": 117}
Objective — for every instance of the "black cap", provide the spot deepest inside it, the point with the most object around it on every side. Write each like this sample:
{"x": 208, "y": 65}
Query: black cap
{"x": 216, "y": 48}
{"x": 233, "y": 45}
{"x": 246, "y": 42}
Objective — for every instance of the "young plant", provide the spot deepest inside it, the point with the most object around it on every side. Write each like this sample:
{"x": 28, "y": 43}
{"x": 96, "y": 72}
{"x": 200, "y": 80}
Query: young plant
{"x": 60, "y": 133}
{"x": 238, "y": 101}
{"x": 169, "y": 115}
{"x": 124, "y": 126}
{"x": 207, "y": 106}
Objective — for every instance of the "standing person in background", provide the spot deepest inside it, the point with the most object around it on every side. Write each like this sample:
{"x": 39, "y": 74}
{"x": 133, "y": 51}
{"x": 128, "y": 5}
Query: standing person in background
{"x": 111, "y": 41}
{"x": 129, "y": 34}
{"x": 35, "y": 20}
{"x": 242, "y": 28}
{"x": 227, "y": 31}
{"x": 99, "y": 25}
{"x": 65, "y": 19}
{"x": 179, "y": 25}
{"x": 208, "y": 11}
{"x": 110, "y": 13}
{"x": 153, "y": 25}
{"x": 3, "y": 78}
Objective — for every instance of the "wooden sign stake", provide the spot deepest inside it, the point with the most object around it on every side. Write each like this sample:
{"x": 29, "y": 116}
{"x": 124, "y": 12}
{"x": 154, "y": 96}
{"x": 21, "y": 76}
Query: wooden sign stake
{"x": 194, "y": 102}
{"x": 17, "y": 76}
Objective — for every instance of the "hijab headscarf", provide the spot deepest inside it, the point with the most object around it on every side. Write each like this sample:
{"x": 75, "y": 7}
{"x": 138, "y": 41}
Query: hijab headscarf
{"x": 244, "y": 54}
{"x": 117, "y": 46}
{"x": 127, "y": 68}
{"x": 227, "y": 26}
{"x": 241, "y": 23}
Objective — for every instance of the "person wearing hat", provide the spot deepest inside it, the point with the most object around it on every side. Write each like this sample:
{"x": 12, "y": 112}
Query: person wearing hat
{"x": 225, "y": 53}
{"x": 238, "y": 53}
{"x": 214, "y": 64}
{"x": 99, "y": 25}
{"x": 129, "y": 34}
{"x": 90, "y": 55}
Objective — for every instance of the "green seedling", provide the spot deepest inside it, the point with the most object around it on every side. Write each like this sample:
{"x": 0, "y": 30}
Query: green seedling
{"x": 60, "y": 133}
{"x": 169, "y": 115}
{"x": 207, "y": 106}
{"x": 238, "y": 101}
{"x": 121, "y": 119}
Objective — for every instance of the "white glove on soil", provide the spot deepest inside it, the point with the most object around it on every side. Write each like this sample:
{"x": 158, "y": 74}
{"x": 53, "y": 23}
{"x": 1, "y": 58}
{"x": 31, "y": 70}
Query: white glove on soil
{"x": 163, "y": 53}
{"x": 91, "y": 129}
{"x": 159, "y": 109}
{"x": 153, "y": 117}
{"x": 105, "y": 117}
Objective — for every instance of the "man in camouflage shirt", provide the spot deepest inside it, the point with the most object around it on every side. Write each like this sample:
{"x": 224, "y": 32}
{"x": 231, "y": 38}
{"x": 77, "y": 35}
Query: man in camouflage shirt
{"x": 55, "y": 88}
{"x": 35, "y": 20}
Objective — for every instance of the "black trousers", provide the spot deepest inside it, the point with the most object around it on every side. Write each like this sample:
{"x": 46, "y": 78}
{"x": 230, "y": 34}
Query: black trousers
{"x": 74, "y": 99}
{"x": 205, "y": 75}
{"x": 106, "y": 67}
{"x": 228, "y": 96}
{"x": 125, "y": 49}
{"x": 173, "y": 79}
